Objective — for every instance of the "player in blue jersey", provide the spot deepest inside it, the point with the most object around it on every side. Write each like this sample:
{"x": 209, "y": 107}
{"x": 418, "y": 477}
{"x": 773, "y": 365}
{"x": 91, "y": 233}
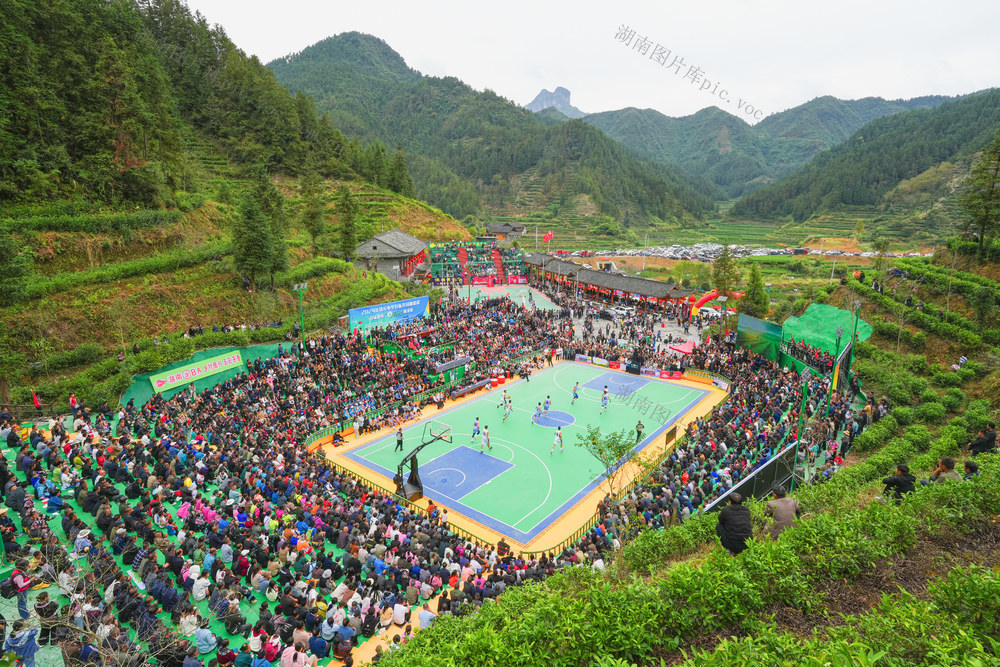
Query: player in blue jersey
{"x": 538, "y": 413}
{"x": 548, "y": 404}
{"x": 576, "y": 393}
{"x": 604, "y": 400}
{"x": 475, "y": 429}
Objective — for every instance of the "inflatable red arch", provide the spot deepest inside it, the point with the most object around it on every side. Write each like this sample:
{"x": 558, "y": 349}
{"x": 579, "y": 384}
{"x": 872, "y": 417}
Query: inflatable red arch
{"x": 710, "y": 296}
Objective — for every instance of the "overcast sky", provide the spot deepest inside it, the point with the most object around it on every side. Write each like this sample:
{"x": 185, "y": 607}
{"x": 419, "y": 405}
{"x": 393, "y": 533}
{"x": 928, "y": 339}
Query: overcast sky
{"x": 768, "y": 55}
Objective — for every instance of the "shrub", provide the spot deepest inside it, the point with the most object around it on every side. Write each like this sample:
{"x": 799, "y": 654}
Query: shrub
{"x": 85, "y": 353}
{"x": 916, "y": 363}
{"x": 932, "y": 413}
{"x": 946, "y": 379}
{"x": 929, "y": 396}
{"x": 972, "y": 596}
{"x": 903, "y": 414}
{"x": 159, "y": 263}
{"x": 951, "y": 402}
{"x": 977, "y": 368}
{"x": 918, "y": 435}
{"x": 96, "y": 222}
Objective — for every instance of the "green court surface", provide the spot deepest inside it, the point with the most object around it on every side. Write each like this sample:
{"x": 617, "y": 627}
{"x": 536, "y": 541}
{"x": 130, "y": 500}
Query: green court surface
{"x": 520, "y": 487}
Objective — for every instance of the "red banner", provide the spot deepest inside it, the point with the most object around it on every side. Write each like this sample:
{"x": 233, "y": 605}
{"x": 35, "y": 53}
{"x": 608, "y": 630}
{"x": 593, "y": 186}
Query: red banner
{"x": 617, "y": 365}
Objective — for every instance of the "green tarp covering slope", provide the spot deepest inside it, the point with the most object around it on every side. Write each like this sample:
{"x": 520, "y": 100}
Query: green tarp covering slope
{"x": 818, "y": 327}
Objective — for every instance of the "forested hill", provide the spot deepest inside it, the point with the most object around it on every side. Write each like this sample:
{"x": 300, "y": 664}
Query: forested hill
{"x": 877, "y": 157}
{"x": 104, "y": 100}
{"x": 737, "y": 157}
{"x": 476, "y": 145}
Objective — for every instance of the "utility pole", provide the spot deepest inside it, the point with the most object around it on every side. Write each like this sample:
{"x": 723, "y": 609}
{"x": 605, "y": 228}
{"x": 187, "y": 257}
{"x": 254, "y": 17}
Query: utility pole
{"x": 854, "y": 333}
{"x": 645, "y": 244}
{"x": 301, "y": 288}
{"x": 833, "y": 269}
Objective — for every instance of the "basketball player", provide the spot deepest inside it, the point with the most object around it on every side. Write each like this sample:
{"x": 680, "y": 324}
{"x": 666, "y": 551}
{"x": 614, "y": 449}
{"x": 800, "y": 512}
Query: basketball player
{"x": 485, "y": 441}
{"x": 604, "y": 400}
{"x": 548, "y": 404}
{"x": 475, "y": 429}
{"x": 576, "y": 393}
{"x": 503, "y": 399}
{"x": 538, "y": 413}
{"x": 558, "y": 440}
{"x": 508, "y": 409}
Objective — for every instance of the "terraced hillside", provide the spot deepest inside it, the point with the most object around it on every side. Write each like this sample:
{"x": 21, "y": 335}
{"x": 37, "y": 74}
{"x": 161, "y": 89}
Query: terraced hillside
{"x": 102, "y": 281}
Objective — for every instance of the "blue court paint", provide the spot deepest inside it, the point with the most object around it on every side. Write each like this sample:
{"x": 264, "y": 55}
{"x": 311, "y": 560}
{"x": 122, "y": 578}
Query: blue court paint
{"x": 619, "y": 384}
{"x": 611, "y": 378}
{"x": 555, "y": 418}
{"x": 461, "y": 471}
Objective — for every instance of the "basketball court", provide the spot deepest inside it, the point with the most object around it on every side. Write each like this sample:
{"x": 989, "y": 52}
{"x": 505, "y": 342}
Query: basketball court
{"x": 520, "y": 487}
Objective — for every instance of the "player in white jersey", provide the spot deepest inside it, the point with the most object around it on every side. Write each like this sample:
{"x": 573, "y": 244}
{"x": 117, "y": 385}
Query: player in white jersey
{"x": 508, "y": 409}
{"x": 557, "y": 440}
{"x": 485, "y": 441}
{"x": 503, "y": 400}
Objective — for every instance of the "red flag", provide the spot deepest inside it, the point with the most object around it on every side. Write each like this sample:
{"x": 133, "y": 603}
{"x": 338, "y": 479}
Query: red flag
{"x": 547, "y": 237}
{"x": 38, "y": 403}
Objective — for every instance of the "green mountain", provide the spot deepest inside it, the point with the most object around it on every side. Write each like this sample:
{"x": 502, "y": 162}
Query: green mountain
{"x": 736, "y": 156}
{"x": 99, "y": 98}
{"x": 711, "y": 143}
{"x": 876, "y": 158}
{"x": 489, "y": 143}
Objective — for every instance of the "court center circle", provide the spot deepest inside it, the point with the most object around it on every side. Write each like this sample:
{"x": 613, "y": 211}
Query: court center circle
{"x": 555, "y": 418}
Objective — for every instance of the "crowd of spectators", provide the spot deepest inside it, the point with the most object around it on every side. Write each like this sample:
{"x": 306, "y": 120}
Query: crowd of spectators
{"x": 222, "y": 503}
{"x": 208, "y": 510}
{"x": 818, "y": 358}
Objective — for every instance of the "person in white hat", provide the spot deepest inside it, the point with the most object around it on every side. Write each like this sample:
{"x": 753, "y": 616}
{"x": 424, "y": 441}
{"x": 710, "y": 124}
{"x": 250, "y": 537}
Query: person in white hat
{"x": 82, "y": 543}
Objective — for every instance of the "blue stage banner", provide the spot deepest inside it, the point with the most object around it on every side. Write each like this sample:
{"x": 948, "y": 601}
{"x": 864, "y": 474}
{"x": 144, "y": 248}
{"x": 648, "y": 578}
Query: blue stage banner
{"x": 385, "y": 314}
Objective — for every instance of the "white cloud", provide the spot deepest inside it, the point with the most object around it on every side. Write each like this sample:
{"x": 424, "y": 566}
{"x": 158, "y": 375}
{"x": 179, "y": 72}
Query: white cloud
{"x": 774, "y": 54}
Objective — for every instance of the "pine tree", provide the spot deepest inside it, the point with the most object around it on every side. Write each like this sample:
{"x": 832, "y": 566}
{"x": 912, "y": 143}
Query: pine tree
{"x": 313, "y": 216}
{"x": 347, "y": 210}
{"x": 253, "y": 240}
{"x": 983, "y": 304}
{"x": 398, "y": 175}
{"x": 980, "y": 197}
{"x": 375, "y": 164}
{"x": 725, "y": 273}
{"x": 272, "y": 206}
{"x": 756, "y": 302}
